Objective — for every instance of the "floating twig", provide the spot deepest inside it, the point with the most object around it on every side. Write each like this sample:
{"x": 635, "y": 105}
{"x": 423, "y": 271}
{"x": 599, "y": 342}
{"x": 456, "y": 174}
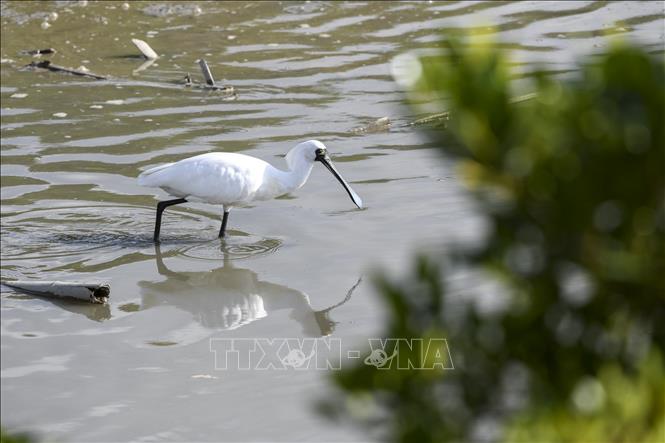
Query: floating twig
{"x": 439, "y": 118}
{"x": 46, "y": 64}
{"x": 97, "y": 293}
{"x": 443, "y": 117}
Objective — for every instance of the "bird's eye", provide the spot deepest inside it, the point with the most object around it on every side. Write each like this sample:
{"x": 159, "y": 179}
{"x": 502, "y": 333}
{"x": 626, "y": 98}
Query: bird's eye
{"x": 319, "y": 151}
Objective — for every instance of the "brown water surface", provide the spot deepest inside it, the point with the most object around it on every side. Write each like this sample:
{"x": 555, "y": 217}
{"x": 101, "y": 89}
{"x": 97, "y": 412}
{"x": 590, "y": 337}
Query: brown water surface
{"x": 141, "y": 368}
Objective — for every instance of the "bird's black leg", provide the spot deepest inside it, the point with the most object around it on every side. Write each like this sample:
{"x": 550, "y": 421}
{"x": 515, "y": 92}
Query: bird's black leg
{"x": 225, "y": 219}
{"x": 160, "y": 208}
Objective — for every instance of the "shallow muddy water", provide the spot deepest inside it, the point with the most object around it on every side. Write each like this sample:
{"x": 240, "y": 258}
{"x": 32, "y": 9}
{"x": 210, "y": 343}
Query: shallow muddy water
{"x": 142, "y": 368}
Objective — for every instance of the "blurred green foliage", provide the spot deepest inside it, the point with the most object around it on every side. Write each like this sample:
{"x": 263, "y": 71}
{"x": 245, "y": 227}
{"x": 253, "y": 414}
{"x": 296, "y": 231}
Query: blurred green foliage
{"x": 6, "y": 437}
{"x": 572, "y": 184}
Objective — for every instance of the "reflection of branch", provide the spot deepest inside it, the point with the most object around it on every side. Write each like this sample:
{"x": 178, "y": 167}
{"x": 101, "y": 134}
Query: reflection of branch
{"x": 146, "y": 64}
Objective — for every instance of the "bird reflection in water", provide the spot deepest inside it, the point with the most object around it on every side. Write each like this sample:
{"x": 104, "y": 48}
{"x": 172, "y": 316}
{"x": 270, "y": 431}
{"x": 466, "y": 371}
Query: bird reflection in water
{"x": 228, "y": 298}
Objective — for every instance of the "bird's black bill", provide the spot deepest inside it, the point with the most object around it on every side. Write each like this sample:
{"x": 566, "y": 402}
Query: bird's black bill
{"x": 328, "y": 164}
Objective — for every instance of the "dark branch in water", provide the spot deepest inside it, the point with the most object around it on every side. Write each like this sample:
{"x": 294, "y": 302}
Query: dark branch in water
{"x": 227, "y": 91}
{"x": 46, "y": 64}
{"x": 210, "y": 81}
{"x": 205, "y": 70}
{"x": 38, "y": 51}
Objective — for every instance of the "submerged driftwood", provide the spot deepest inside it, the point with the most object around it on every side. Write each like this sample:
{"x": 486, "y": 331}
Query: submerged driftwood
{"x": 379, "y": 125}
{"x": 150, "y": 55}
{"x": 97, "y": 293}
{"x": 46, "y": 64}
{"x": 435, "y": 119}
{"x": 442, "y": 117}
{"x": 384, "y": 124}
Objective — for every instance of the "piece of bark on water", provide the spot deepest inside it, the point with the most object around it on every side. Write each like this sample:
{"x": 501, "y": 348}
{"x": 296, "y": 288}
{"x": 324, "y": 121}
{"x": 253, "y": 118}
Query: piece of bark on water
{"x": 145, "y": 49}
{"x": 97, "y": 293}
{"x": 46, "y": 64}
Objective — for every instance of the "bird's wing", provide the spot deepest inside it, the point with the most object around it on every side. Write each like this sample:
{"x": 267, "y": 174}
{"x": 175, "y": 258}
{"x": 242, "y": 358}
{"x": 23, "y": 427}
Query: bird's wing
{"x": 216, "y": 177}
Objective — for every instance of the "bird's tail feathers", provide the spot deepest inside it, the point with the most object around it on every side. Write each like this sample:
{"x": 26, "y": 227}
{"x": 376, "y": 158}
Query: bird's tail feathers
{"x": 148, "y": 178}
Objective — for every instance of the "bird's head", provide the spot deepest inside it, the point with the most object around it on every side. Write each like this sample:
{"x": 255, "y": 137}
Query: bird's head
{"x": 308, "y": 151}
{"x": 315, "y": 151}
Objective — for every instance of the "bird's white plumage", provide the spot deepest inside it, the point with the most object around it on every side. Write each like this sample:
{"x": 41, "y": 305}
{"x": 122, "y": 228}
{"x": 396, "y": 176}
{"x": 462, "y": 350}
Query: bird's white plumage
{"x": 232, "y": 179}
{"x": 217, "y": 177}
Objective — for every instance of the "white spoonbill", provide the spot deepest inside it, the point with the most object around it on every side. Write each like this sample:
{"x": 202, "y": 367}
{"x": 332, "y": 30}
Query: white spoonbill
{"x": 235, "y": 180}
